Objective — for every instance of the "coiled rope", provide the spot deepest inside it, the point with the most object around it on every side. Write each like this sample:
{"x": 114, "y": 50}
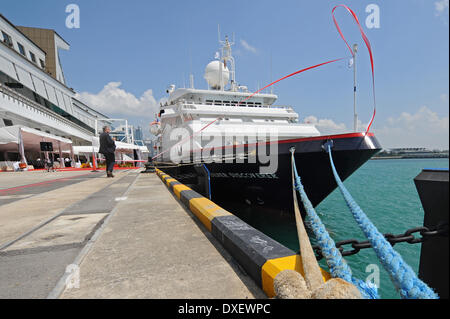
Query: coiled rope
{"x": 336, "y": 263}
{"x": 403, "y": 277}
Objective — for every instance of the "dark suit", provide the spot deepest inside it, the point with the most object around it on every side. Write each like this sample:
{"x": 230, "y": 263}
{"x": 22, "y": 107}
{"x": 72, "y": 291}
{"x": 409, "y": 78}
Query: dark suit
{"x": 107, "y": 148}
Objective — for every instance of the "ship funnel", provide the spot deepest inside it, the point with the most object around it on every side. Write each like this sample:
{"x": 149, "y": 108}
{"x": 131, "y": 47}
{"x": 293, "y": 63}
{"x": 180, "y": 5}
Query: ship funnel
{"x": 217, "y": 75}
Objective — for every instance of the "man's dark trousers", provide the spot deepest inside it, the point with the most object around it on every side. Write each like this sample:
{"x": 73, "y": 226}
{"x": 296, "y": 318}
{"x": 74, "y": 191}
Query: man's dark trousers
{"x": 107, "y": 148}
{"x": 110, "y": 160}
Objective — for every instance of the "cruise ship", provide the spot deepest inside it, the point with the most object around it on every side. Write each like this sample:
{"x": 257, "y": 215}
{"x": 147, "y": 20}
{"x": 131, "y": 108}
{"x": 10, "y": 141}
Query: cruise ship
{"x": 235, "y": 146}
{"x": 36, "y": 100}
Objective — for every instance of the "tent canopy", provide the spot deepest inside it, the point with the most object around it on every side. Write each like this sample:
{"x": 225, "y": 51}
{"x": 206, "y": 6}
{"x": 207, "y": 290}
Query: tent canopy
{"x": 144, "y": 149}
{"x": 84, "y": 149}
{"x": 10, "y": 139}
{"x": 121, "y": 147}
{"x": 7, "y": 138}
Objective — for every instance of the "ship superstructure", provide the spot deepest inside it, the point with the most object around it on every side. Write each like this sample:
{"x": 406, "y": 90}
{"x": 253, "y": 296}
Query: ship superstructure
{"x": 235, "y": 111}
{"x": 235, "y": 146}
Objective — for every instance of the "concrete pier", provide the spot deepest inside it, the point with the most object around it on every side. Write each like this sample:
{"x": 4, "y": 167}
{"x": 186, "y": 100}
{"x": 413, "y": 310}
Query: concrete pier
{"x": 122, "y": 237}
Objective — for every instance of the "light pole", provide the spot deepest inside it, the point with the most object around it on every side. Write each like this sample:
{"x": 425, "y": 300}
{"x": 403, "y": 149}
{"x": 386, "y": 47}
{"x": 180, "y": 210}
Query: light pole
{"x": 355, "y": 116}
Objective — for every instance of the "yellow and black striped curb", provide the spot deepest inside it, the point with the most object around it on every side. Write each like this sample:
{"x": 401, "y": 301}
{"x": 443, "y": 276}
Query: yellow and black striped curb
{"x": 260, "y": 256}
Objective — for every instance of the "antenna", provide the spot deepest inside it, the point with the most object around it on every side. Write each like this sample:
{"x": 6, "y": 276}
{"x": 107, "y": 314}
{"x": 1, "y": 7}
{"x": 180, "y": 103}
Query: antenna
{"x": 191, "y": 76}
{"x": 191, "y": 80}
{"x": 271, "y": 87}
{"x": 227, "y": 59}
{"x": 355, "y": 115}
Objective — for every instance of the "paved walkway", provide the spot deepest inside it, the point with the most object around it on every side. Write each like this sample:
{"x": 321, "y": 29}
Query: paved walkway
{"x": 127, "y": 236}
{"x": 153, "y": 248}
{"x": 44, "y": 230}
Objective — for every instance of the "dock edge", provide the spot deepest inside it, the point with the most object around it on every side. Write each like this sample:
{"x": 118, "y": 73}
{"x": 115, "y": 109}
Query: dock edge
{"x": 259, "y": 255}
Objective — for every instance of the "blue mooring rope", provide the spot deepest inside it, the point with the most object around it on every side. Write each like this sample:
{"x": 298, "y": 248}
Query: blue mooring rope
{"x": 337, "y": 265}
{"x": 403, "y": 277}
{"x": 209, "y": 180}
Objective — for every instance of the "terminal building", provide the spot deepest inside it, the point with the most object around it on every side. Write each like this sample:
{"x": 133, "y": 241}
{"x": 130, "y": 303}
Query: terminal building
{"x": 34, "y": 95}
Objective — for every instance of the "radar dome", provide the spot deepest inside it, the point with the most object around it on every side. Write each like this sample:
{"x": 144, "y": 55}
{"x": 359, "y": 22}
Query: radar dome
{"x": 212, "y": 74}
{"x": 155, "y": 128}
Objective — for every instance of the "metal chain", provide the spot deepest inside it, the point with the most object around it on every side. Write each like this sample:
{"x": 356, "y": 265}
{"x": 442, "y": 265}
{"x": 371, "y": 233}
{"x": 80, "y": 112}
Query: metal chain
{"x": 408, "y": 237}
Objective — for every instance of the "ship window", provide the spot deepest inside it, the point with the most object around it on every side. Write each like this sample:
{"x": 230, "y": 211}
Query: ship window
{"x": 250, "y": 104}
{"x": 21, "y": 49}
{"x": 7, "y": 39}
{"x": 234, "y": 103}
{"x": 42, "y": 63}
{"x": 217, "y": 102}
{"x": 209, "y": 102}
{"x": 7, "y": 122}
{"x": 32, "y": 57}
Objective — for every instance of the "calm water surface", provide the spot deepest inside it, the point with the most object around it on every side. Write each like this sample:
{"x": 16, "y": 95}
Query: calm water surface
{"x": 385, "y": 190}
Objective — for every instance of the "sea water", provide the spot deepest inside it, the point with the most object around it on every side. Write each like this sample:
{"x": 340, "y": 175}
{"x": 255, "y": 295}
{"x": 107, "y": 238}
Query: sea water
{"x": 385, "y": 191}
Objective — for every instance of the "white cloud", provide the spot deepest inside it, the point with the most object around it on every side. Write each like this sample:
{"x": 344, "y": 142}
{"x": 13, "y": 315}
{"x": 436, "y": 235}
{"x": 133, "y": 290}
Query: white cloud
{"x": 115, "y": 101}
{"x": 422, "y": 129}
{"x": 441, "y": 7}
{"x": 248, "y": 47}
{"x": 326, "y": 126}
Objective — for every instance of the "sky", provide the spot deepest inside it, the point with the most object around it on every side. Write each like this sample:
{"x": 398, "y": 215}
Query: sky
{"x": 124, "y": 55}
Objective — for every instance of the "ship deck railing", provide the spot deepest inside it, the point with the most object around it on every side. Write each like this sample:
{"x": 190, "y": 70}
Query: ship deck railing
{"x": 191, "y": 105}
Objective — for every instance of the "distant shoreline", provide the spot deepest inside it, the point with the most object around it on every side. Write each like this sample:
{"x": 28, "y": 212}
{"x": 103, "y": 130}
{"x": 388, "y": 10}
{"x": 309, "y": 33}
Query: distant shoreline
{"x": 408, "y": 157}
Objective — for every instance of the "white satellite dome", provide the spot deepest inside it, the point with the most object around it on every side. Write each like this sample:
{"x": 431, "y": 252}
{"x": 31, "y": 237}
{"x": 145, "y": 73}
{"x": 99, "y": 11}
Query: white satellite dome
{"x": 155, "y": 128}
{"x": 212, "y": 74}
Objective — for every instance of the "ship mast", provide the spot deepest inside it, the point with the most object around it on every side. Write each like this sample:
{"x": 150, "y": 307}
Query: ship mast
{"x": 227, "y": 58}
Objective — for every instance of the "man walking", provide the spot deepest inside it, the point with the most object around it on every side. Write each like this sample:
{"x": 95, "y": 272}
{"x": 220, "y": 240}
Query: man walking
{"x": 107, "y": 148}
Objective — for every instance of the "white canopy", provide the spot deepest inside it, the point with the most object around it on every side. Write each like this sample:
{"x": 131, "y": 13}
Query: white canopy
{"x": 6, "y": 137}
{"x": 84, "y": 149}
{"x": 10, "y": 139}
{"x": 120, "y": 147}
{"x": 144, "y": 149}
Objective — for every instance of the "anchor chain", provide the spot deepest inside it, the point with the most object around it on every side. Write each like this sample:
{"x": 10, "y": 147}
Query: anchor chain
{"x": 408, "y": 237}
